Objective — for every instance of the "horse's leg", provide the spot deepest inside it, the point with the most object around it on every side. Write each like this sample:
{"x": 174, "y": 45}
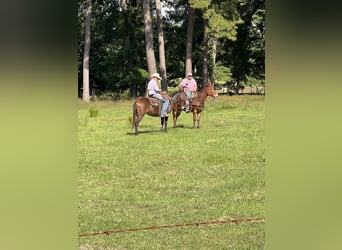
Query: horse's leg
{"x": 165, "y": 123}
{"x": 162, "y": 122}
{"x": 138, "y": 119}
{"x": 194, "y": 116}
{"x": 174, "y": 116}
{"x": 175, "y": 113}
{"x": 136, "y": 125}
{"x": 135, "y": 122}
{"x": 198, "y": 119}
{"x": 134, "y": 118}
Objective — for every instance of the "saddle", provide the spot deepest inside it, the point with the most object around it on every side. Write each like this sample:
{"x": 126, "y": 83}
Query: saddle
{"x": 154, "y": 101}
{"x": 191, "y": 103}
{"x": 193, "y": 94}
{"x": 157, "y": 104}
{"x": 164, "y": 94}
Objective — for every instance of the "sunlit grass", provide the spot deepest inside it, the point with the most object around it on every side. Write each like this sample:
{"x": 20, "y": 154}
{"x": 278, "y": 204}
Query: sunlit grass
{"x": 185, "y": 175}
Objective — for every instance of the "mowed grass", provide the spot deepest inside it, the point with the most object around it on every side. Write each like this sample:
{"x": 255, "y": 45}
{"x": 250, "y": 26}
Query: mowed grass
{"x": 183, "y": 176}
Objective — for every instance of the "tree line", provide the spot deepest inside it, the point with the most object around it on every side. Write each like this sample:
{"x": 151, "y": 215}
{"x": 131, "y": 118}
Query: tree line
{"x": 122, "y": 42}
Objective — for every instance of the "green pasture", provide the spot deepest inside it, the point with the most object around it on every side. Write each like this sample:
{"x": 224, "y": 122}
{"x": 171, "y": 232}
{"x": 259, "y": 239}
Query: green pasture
{"x": 183, "y": 176}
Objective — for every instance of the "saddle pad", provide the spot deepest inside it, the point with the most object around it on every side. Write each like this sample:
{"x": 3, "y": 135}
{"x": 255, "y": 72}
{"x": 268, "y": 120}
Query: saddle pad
{"x": 154, "y": 101}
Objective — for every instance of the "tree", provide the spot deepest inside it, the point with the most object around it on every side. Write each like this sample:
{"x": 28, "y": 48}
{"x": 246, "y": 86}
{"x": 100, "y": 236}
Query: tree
{"x": 161, "y": 46}
{"x": 223, "y": 23}
{"x": 86, "y": 96}
{"x": 198, "y": 35}
{"x": 151, "y": 61}
{"x": 203, "y": 5}
{"x": 205, "y": 73}
{"x": 127, "y": 45}
{"x": 219, "y": 21}
{"x": 190, "y": 32}
{"x": 248, "y": 52}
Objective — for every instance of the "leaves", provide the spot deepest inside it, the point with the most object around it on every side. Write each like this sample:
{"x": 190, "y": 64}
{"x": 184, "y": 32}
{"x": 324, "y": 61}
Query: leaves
{"x": 199, "y": 4}
{"x": 117, "y": 53}
{"x": 221, "y": 27}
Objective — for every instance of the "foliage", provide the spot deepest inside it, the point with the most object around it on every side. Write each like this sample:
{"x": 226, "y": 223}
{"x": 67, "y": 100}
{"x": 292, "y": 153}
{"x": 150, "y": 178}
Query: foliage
{"x": 221, "y": 27}
{"x": 246, "y": 56}
{"x": 223, "y": 19}
{"x": 199, "y": 4}
{"x": 222, "y": 73}
{"x": 254, "y": 82}
{"x": 93, "y": 112}
{"x": 117, "y": 54}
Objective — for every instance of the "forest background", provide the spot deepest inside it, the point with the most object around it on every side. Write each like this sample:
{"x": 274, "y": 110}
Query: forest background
{"x": 120, "y": 43}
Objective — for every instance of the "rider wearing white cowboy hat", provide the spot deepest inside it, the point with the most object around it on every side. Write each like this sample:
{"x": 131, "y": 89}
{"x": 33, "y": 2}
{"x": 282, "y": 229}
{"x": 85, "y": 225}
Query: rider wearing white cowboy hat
{"x": 156, "y": 75}
{"x": 154, "y": 91}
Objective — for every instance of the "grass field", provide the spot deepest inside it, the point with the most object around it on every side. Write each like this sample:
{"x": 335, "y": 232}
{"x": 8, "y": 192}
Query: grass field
{"x": 183, "y": 176}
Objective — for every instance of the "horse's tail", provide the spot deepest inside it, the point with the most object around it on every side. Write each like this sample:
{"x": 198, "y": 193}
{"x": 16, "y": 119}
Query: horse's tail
{"x": 134, "y": 113}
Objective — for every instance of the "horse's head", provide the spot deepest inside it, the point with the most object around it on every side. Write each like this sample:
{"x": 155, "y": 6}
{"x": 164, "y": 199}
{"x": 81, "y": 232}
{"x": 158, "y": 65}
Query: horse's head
{"x": 210, "y": 90}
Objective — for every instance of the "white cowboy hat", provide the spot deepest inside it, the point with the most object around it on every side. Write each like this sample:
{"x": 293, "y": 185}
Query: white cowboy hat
{"x": 190, "y": 74}
{"x": 156, "y": 75}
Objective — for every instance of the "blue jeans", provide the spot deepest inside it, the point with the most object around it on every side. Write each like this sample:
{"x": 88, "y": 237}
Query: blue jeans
{"x": 165, "y": 103}
{"x": 188, "y": 97}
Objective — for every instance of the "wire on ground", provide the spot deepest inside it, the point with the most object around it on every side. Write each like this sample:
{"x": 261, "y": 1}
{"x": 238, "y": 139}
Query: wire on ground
{"x": 172, "y": 226}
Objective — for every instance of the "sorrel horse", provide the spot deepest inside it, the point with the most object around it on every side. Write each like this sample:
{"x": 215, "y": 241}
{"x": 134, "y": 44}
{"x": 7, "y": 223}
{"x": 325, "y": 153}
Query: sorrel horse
{"x": 196, "y": 105}
{"x": 152, "y": 107}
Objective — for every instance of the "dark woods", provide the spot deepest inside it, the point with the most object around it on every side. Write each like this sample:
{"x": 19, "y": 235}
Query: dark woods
{"x": 118, "y": 67}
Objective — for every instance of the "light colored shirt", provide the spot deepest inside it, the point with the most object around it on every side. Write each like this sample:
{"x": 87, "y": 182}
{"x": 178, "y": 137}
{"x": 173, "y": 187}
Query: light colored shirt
{"x": 188, "y": 85}
{"x": 153, "y": 87}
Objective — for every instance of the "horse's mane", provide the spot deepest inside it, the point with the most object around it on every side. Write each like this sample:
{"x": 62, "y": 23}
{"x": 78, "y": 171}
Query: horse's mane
{"x": 175, "y": 96}
{"x": 205, "y": 86}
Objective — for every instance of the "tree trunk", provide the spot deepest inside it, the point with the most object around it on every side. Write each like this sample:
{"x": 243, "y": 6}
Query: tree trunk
{"x": 127, "y": 36}
{"x": 123, "y": 5}
{"x": 151, "y": 61}
{"x": 190, "y": 31}
{"x": 205, "y": 52}
{"x": 161, "y": 46}
{"x": 214, "y": 53}
{"x": 237, "y": 85}
{"x": 86, "y": 95}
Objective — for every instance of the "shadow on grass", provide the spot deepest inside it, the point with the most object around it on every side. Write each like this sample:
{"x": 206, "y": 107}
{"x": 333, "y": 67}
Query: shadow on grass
{"x": 161, "y": 131}
{"x": 179, "y": 126}
{"x": 184, "y": 127}
{"x": 147, "y": 132}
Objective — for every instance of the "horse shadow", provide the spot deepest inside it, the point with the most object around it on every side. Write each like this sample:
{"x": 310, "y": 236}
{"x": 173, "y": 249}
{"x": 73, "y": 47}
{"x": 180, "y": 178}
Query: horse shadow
{"x": 146, "y": 132}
